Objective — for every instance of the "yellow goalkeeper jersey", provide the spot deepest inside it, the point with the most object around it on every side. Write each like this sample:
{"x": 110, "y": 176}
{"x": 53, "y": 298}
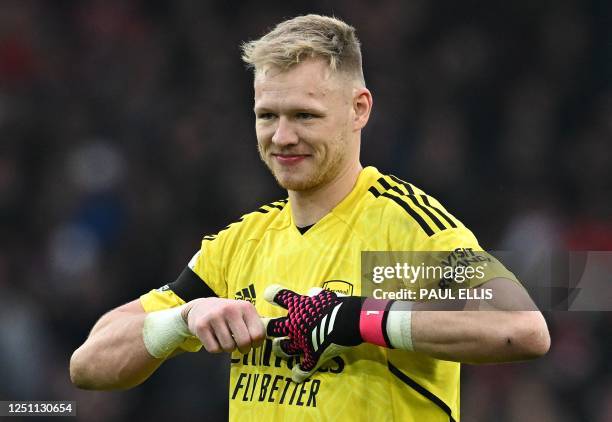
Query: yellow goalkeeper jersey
{"x": 367, "y": 383}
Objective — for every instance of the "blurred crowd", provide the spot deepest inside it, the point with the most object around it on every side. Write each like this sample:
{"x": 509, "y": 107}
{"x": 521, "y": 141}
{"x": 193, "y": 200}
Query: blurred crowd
{"x": 126, "y": 133}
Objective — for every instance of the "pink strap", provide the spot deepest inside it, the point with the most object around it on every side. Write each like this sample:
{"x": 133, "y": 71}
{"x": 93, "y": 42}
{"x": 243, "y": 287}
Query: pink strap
{"x": 371, "y": 321}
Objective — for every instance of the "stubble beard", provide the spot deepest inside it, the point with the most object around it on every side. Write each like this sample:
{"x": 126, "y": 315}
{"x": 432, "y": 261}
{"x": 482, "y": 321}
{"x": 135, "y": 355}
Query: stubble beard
{"x": 322, "y": 174}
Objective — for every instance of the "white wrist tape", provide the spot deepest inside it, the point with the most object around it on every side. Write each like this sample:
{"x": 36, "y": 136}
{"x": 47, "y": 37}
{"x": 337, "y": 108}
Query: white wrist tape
{"x": 164, "y": 331}
{"x": 399, "y": 325}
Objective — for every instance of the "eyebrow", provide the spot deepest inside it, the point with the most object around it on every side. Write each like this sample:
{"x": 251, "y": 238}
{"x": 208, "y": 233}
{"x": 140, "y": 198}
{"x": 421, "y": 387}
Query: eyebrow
{"x": 291, "y": 110}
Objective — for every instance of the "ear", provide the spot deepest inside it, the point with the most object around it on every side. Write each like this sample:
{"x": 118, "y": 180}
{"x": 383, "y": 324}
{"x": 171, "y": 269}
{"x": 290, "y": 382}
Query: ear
{"x": 362, "y": 106}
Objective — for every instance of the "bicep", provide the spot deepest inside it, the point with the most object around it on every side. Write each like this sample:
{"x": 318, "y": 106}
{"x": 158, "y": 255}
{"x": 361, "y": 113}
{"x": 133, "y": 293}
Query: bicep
{"x": 502, "y": 294}
{"x": 133, "y": 307}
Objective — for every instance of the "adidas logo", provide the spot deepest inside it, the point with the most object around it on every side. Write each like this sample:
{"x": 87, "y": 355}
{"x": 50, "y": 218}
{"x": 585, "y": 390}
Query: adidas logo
{"x": 323, "y": 329}
{"x": 248, "y": 294}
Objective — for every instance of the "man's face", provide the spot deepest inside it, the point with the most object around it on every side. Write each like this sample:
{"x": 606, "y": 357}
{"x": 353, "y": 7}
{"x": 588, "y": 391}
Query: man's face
{"x": 303, "y": 124}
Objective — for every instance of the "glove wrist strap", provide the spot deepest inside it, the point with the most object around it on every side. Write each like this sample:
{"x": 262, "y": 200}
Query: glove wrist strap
{"x": 373, "y": 321}
{"x": 386, "y": 323}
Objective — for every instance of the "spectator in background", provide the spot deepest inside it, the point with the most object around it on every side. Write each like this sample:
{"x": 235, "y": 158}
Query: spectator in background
{"x": 136, "y": 75}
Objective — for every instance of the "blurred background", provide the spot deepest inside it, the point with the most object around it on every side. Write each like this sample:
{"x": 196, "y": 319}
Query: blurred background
{"x": 126, "y": 133}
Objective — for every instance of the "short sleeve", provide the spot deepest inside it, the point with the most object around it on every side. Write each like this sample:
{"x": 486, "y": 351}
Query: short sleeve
{"x": 210, "y": 261}
{"x": 457, "y": 252}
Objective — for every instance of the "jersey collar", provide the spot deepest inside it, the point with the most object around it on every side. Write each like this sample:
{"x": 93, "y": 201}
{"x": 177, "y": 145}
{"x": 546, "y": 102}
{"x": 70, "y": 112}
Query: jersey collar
{"x": 346, "y": 206}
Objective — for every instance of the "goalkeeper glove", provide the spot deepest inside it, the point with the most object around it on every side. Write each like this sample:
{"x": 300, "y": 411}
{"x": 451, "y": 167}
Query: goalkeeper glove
{"x": 324, "y": 325}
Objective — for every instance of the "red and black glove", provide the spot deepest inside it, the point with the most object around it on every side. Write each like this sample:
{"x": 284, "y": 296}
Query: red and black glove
{"x": 323, "y": 325}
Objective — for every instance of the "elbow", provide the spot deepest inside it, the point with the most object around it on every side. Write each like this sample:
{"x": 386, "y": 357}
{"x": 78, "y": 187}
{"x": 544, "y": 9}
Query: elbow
{"x": 77, "y": 371}
{"x": 532, "y": 336}
{"x": 87, "y": 374}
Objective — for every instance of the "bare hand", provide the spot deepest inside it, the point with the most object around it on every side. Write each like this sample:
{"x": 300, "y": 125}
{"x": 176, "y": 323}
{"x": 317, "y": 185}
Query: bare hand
{"x": 222, "y": 325}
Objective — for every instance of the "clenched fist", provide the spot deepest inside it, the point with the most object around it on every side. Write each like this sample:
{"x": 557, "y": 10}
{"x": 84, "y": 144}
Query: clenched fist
{"x": 224, "y": 325}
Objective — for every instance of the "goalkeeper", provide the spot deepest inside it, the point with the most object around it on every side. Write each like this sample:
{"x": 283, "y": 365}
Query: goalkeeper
{"x": 327, "y": 354}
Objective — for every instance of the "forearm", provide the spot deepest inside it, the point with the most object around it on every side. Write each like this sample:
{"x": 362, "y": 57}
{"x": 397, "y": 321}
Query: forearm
{"x": 479, "y": 336}
{"x": 114, "y": 356}
{"x": 506, "y": 327}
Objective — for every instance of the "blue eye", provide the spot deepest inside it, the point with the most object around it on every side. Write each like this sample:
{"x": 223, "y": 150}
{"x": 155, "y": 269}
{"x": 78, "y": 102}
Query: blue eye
{"x": 265, "y": 116}
{"x": 305, "y": 116}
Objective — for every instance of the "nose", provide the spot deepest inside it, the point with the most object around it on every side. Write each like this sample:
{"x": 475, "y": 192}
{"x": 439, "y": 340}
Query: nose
{"x": 284, "y": 133}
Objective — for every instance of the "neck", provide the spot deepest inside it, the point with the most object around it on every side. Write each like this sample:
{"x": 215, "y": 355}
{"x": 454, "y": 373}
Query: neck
{"x": 310, "y": 206}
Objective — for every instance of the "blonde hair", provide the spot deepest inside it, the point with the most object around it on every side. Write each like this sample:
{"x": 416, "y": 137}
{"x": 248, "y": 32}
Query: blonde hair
{"x": 303, "y": 37}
